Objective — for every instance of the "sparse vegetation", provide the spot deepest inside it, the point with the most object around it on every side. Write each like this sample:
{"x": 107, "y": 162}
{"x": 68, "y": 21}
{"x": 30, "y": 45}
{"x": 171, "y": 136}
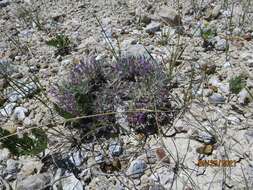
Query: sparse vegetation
{"x": 164, "y": 38}
{"x": 61, "y": 42}
{"x": 95, "y": 88}
{"x": 207, "y": 33}
{"x": 236, "y": 84}
{"x": 28, "y": 144}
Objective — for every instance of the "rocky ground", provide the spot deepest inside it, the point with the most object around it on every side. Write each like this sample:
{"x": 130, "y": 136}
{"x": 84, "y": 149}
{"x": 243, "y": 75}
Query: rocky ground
{"x": 206, "y": 43}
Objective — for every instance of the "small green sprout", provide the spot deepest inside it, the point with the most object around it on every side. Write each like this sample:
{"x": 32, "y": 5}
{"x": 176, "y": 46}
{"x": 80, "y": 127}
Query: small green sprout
{"x": 236, "y": 84}
{"x": 207, "y": 33}
{"x": 61, "y": 42}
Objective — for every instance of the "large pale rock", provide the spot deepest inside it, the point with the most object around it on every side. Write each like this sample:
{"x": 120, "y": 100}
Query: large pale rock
{"x": 30, "y": 166}
{"x": 136, "y": 50}
{"x": 153, "y": 27}
{"x": 24, "y": 91}
{"x": 71, "y": 183}
{"x": 169, "y": 16}
{"x": 20, "y": 113}
{"x": 244, "y": 97}
{"x": 33, "y": 182}
{"x": 68, "y": 182}
{"x": 216, "y": 99}
{"x": 7, "y": 110}
{"x": 12, "y": 166}
{"x": 4, "y": 154}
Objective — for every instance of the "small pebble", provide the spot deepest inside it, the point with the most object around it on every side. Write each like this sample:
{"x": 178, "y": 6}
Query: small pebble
{"x": 216, "y": 99}
{"x": 247, "y": 36}
{"x": 115, "y": 149}
{"x": 137, "y": 168}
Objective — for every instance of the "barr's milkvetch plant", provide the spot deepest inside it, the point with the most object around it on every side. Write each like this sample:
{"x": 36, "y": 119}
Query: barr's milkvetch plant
{"x": 97, "y": 87}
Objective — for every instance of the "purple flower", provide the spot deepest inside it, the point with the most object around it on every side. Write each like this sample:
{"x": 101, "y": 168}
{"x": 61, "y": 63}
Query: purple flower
{"x": 141, "y": 118}
{"x": 86, "y": 69}
{"x": 134, "y": 67}
{"x": 65, "y": 100}
{"x": 137, "y": 118}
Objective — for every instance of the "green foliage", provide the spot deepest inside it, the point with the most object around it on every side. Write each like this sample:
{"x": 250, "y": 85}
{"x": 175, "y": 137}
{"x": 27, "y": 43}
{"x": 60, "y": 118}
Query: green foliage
{"x": 207, "y": 33}
{"x": 236, "y": 84}
{"x": 61, "y": 42}
{"x": 164, "y": 38}
{"x": 27, "y": 145}
{"x": 84, "y": 102}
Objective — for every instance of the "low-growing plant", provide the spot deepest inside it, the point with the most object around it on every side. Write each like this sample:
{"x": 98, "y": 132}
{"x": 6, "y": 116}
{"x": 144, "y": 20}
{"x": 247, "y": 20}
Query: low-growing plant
{"x": 28, "y": 144}
{"x": 93, "y": 87}
{"x": 207, "y": 34}
{"x": 61, "y": 42}
{"x": 236, "y": 84}
{"x": 164, "y": 38}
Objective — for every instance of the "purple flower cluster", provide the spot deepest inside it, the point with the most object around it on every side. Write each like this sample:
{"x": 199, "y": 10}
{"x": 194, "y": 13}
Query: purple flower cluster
{"x": 74, "y": 96}
{"x": 130, "y": 68}
{"x": 64, "y": 100}
{"x": 139, "y": 118}
{"x": 86, "y": 69}
{"x": 96, "y": 87}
